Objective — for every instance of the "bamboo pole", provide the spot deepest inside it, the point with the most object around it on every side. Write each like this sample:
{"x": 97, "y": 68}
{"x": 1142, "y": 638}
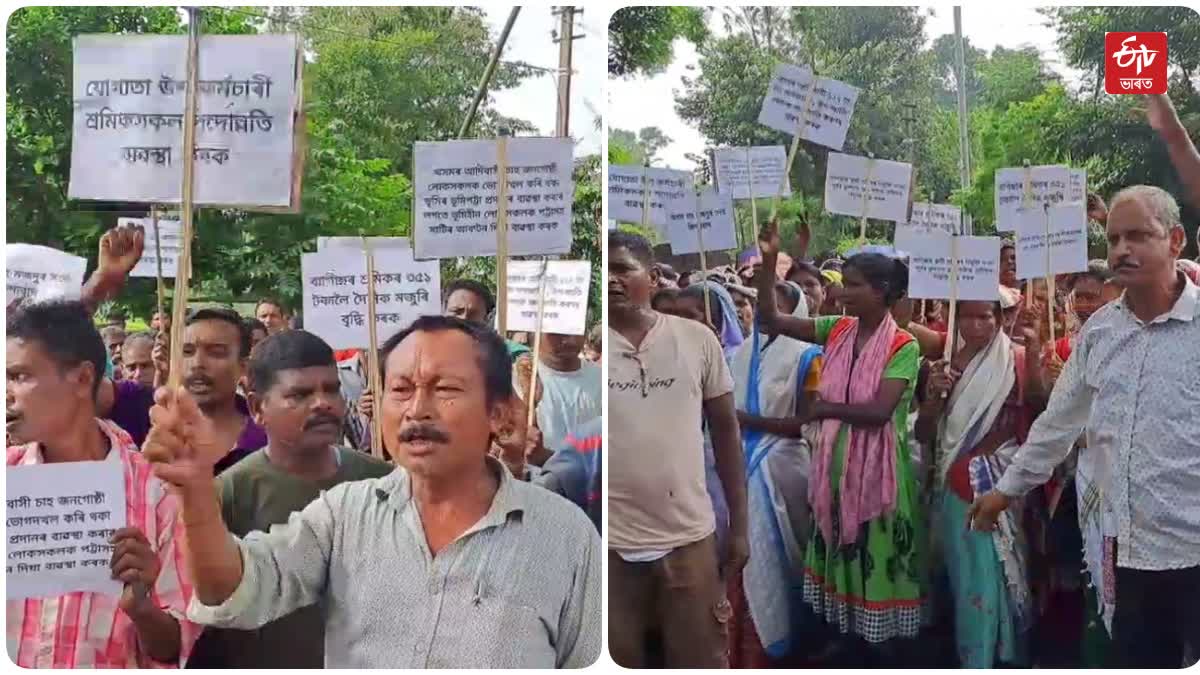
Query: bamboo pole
{"x": 375, "y": 374}
{"x": 502, "y": 238}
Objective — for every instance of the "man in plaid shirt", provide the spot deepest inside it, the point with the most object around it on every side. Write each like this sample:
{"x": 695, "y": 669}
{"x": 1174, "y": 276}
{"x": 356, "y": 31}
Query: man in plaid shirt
{"x": 55, "y": 360}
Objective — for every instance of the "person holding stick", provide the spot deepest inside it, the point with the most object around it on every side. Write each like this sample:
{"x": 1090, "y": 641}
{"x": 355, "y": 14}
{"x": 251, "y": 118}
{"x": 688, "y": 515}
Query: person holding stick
{"x": 1133, "y": 380}
{"x": 297, "y": 399}
{"x": 571, "y": 388}
{"x": 865, "y": 563}
{"x": 973, "y": 417}
{"x": 448, "y": 561}
{"x": 55, "y": 362}
{"x": 667, "y": 378}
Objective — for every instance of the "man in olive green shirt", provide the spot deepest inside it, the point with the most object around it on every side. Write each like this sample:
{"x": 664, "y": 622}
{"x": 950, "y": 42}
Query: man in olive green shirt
{"x": 296, "y": 397}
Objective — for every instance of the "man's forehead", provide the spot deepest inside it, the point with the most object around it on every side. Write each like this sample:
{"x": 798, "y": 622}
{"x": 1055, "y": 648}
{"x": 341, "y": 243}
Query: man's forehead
{"x": 307, "y": 376}
{"x": 211, "y": 331}
{"x": 434, "y": 353}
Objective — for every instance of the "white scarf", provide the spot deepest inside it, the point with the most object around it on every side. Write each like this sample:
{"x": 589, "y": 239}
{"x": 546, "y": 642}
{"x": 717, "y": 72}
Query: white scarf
{"x": 976, "y": 401}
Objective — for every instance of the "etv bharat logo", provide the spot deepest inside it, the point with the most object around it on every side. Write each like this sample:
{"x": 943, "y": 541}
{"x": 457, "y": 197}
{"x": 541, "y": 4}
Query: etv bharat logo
{"x": 1135, "y": 63}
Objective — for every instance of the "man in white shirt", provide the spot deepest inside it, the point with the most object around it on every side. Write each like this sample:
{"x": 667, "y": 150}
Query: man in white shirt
{"x": 571, "y": 388}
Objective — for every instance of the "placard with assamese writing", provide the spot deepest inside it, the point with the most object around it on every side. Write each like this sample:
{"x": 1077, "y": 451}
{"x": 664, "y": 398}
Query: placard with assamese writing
{"x": 565, "y": 295}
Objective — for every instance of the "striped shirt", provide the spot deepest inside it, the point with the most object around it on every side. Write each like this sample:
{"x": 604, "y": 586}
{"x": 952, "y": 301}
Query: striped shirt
{"x": 88, "y": 630}
{"x": 519, "y": 589}
{"x": 1135, "y": 386}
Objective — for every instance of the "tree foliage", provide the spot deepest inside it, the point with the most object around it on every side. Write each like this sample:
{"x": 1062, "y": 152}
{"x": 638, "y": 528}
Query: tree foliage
{"x": 377, "y": 80}
{"x": 640, "y": 39}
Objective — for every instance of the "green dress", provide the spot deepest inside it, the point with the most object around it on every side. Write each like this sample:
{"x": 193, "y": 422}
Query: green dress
{"x": 874, "y": 588}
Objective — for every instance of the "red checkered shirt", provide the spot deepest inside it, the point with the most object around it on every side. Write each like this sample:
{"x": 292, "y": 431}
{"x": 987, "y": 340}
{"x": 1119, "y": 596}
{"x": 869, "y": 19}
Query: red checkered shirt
{"x": 88, "y": 630}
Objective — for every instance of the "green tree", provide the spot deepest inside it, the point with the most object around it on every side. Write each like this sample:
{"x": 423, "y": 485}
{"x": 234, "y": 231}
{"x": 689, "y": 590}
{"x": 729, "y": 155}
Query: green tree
{"x": 640, "y": 39}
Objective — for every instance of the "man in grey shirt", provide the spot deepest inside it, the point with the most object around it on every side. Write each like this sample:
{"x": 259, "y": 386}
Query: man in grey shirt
{"x": 448, "y": 562}
{"x": 1133, "y": 381}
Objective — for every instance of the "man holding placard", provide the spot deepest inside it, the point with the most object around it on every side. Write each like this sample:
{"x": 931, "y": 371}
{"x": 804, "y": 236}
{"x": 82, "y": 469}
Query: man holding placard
{"x": 55, "y": 362}
{"x": 1133, "y": 380}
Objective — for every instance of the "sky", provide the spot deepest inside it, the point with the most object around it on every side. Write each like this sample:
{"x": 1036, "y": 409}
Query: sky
{"x": 536, "y": 99}
{"x": 644, "y": 102}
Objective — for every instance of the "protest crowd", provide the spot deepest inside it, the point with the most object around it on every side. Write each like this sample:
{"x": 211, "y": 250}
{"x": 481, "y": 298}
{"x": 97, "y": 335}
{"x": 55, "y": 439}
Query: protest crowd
{"x": 803, "y": 473}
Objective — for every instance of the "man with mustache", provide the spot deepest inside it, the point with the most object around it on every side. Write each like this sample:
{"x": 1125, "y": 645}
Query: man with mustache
{"x": 1133, "y": 381}
{"x": 296, "y": 397}
{"x": 448, "y": 561}
{"x": 55, "y": 360}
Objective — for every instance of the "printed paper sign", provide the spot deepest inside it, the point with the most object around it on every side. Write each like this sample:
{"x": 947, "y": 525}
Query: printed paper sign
{"x": 826, "y": 109}
{"x": 1078, "y": 186}
{"x": 944, "y": 217}
{"x": 335, "y": 293}
{"x": 564, "y": 307}
{"x": 845, "y": 176}
{"x": 36, "y": 273}
{"x": 127, "y": 134}
{"x": 1049, "y": 184}
{"x": 712, "y": 212}
{"x": 669, "y": 190}
{"x": 457, "y": 189}
{"x": 1067, "y": 228}
{"x": 170, "y": 243}
{"x": 930, "y": 264}
{"x": 766, "y": 165}
{"x": 59, "y": 520}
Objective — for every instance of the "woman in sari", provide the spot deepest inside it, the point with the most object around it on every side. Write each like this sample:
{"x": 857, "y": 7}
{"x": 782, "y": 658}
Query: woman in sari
{"x": 864, "y": 565}
{"x": 975, "y": 418}
{"x": 774, "y": 378}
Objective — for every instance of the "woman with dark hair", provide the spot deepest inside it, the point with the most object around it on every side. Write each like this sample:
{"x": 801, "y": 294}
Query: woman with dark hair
{"x": 864, "y": 565}
{"x": 974, "y": 416}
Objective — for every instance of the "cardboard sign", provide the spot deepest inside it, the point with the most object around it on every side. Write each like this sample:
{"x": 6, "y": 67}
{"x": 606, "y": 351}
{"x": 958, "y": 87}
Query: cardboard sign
{"x": 758, "y": 171}
{"x": 825, "y": 109}
{"x": 1049, "y": 184}
{"x": 127, "y": 133}
{"x": 931, "y": 255}
{"x": 943, "y": 217}
{"x": 888, "y": 192}
{"x": 335, "y": 292}
{"x": 565, "y": 295}
{"x": 456, "y": 190}
{"x": 669, "y": 191}
{"x": 38, "y": 273}
{"x": 1067, "y": 248}
{"x": 710, "y": 211}
{"x": 60, "y": 517}
{"x": 170, "y": 243}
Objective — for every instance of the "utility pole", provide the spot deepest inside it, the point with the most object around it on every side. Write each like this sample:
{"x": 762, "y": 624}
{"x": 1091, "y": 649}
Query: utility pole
{"x": 565, "y": 37}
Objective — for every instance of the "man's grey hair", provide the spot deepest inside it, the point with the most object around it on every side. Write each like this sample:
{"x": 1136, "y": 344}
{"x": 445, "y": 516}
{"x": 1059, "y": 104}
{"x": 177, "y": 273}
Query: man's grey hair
{"x": 112, "y": 332}
{"x": 139, "y": 336}
{"x": 1163, "y": 207}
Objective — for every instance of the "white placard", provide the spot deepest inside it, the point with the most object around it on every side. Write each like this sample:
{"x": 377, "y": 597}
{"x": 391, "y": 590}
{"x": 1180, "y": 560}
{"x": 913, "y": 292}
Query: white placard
{"x": 1068, "y": 241}
{"x": 170, "y": 233}
{"x": 1048, "y": 184}
{"x": 669, "y": 190}
{"x": 929, "y": 269}
{"x": 889, "y": 189}
{"x": 564, "y": 309}
{"x": 36, "y": 273}
{"x": 59, "y": 520}
{"x": 944, "y": 217}
{"x": 767, "y": 164}
{"x": 714, "y": 213}
{"x": 456, "y": 186}
{"x": 127, "y": 133}
{"x": 1078, "y": 191}
{"x": 827, "y": 117}
{"x": 335, "y": 293}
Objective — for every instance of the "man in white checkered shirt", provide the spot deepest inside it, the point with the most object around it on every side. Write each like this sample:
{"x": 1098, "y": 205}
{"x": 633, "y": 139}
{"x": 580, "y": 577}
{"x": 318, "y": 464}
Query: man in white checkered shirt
{"x": 1133, "y": 380}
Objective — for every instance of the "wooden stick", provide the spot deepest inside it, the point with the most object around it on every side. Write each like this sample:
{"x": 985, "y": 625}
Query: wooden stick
{"x": 787, "y": 169}
{"x": 537, "y": 349}
{"x": 1050, "y": 296}
{"x": 703, "y": 262}
{"x": 952, "y": 312}
{"x": 862, "y": 222}
{"x": 183, "y": 274}
{"x": 374, "y": 377}
{"x": 645, "y": 197}
{"x": 753, "y": 203}
{"x": 1026, "y": 198}
{"x": 502, "y": 238}
{"x": 158, "y": 256}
